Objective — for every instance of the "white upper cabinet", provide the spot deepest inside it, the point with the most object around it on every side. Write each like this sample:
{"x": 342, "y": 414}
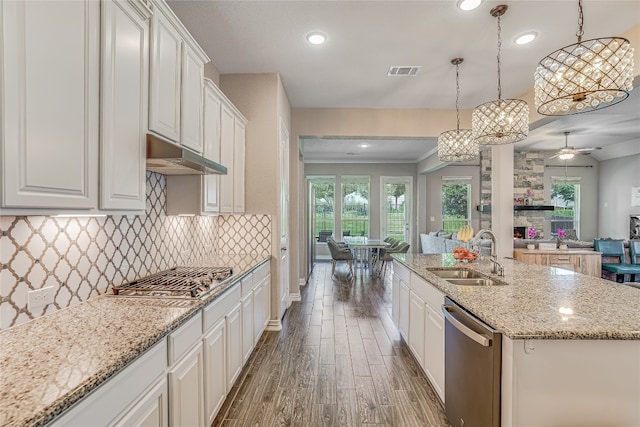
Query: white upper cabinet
{"x": 191, "y": 107}
{"x": 124, "y": 104}
{"x": 212, "y": 111}
{"x": 50, "y": 116}
{"x": 177, "y": 78}
{"x": 227, "y": 125}
{"x": 238, "y": 164}
{"x": 166, "y": 69}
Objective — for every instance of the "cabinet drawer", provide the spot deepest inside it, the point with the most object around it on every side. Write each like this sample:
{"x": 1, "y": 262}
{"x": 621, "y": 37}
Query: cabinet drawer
{"x": 563, "y": 260}
{"x": 429, "y": 293}
{"x": 184, "y": 338}
{"x": 401, "y": 271}
{"x": 221, "y": 306}
{"x": 260, "y": 273}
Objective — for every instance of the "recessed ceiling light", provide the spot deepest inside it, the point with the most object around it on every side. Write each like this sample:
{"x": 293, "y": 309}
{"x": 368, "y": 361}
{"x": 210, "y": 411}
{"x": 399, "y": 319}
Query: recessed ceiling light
{"x": 363, "y": 145}
{"x": 525, "y": 38}
{"x": 469, "y": 4}
{"x": 316, "y": 37}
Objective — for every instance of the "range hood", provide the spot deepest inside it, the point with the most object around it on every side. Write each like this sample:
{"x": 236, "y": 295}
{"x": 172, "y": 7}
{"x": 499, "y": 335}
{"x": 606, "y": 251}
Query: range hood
{"x": 167, "y": 158}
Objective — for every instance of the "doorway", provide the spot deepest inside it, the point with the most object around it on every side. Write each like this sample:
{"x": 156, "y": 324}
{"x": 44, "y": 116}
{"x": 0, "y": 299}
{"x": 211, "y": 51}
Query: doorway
{"x": 322, "y": 190}
{"x": 396, "y": 207}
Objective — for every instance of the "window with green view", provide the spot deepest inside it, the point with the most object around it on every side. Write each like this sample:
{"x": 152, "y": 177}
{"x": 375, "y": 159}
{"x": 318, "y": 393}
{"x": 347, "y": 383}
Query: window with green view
{"x": 355, "y": 205}
{"x": 565, "y": 196}
{"x": 456, "y": 202}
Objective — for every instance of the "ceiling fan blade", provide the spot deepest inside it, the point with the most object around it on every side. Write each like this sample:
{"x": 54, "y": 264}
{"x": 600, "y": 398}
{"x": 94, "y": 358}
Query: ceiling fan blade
{"x": 554, "y": 156}
{"x": 586, "y": 149}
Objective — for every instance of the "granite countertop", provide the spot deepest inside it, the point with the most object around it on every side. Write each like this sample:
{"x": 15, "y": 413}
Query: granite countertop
{"x": 51, "y": 362}
{"x": 529, "y": 306}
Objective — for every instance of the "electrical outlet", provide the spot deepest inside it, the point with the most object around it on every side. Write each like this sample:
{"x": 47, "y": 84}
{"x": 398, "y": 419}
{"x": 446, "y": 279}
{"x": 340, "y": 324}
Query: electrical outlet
{"x": 185, "y": 255}
{"x": 40, "y": 297}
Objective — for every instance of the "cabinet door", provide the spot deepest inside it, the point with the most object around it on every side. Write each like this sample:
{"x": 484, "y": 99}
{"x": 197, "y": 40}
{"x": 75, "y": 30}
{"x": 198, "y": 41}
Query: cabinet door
{"x": 395, "y": 299}
{"x": 124, "y": 102}
{"x": 247, "y": 326}
{"x": 191, "y": 107}
{"x": 50, "y": 103}
{"x": 211, "y": 125}
{"x": 215, "y": 378}
{"x": 186, "y": 400}
{"x": 404, "y": 311}
{"x": 227, "y": 125}
{"x": 165, "y": 74}
{"x": 150, "y": 411}
{"x": 234, "y": 345}
{"x": 564, "y": 261}
{"x": 238, "y": 166}
{"x": 416, "y": 329}
{"x": 258, "y": 311}
{"x": 434, "y": 349}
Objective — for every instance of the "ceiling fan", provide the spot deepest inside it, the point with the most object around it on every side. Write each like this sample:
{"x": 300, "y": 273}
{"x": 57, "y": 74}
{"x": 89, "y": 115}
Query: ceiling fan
{"x": 567, "y": 153}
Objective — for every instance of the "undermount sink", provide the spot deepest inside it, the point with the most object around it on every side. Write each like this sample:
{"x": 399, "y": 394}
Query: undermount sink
{"x": 464, "y": 277}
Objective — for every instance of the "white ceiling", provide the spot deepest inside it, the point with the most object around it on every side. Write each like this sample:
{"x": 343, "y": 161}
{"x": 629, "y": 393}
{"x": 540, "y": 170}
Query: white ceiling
{"x": 365, "y": 38}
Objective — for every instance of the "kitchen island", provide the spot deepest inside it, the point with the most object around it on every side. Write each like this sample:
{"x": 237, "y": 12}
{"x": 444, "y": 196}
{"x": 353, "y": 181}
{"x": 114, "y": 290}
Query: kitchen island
{"x": 570, "y": 346}
{"x": 51, "y": 363}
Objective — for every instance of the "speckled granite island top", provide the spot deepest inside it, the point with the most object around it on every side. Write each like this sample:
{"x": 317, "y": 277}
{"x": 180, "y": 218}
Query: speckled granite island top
{"x": 51, "y": 362}
{"x": 538, "y": 301}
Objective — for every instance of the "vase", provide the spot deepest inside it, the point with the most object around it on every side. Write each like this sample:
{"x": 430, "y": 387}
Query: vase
{"x": 531, "y": 247}
{"x": 563, "y": 246}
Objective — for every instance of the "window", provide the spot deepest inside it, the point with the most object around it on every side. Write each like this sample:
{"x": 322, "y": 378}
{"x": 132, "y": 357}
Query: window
{"x": 355, "y": 206}
{"x": 456, "y": 202}
{"x": 324, "y": 202}
{"x": 565, "y": 196}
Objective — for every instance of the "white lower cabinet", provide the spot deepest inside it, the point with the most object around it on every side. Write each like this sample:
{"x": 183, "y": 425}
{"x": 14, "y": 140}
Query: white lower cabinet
{"x": 247, "y": 326}
{"x": 403, "y": 325}
{"x": 234, "y": 344}
{"x": 151, "y": 409}
{"x": 186, "y": 390}
{"x": 416, "y": 326}
{"x": 395, "y": 299}
{"x": 434, "y": 351}
{"x": 215, "y": 377}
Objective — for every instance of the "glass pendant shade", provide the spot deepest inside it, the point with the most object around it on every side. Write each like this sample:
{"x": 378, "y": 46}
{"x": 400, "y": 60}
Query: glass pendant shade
{"x": 457, "y": 146}
{"x": 585, "y": 76}
{"x": 503, "y": 121}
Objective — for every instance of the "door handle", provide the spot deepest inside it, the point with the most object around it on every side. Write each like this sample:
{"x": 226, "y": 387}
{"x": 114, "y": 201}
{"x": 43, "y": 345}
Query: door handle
{"x": 480, "y": 339}
{"x": 283, "y": 249}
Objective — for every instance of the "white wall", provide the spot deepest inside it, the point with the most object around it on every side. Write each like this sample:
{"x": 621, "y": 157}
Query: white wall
{"x": 617, "y": 176}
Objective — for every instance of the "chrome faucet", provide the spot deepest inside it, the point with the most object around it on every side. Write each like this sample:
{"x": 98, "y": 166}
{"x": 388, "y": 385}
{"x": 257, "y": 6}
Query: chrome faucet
{"x": 496, "y": 268}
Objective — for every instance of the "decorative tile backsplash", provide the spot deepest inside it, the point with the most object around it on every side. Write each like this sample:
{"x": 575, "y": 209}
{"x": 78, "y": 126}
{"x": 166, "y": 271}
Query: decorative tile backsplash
{"x": 81, "y": 256}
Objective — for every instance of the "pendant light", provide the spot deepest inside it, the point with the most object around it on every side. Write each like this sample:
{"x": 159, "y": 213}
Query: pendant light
{"x": 457, "y": 145}
{"x": 503, "y": 121}
{"x": 585, "y": 76}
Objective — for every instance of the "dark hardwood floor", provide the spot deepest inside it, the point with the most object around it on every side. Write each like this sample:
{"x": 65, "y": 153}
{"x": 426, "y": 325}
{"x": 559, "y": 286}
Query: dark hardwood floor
{"x": 338, "y": 361}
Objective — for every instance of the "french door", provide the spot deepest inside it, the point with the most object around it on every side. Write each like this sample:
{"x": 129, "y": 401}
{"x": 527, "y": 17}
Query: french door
{"x": 396, "y": 207}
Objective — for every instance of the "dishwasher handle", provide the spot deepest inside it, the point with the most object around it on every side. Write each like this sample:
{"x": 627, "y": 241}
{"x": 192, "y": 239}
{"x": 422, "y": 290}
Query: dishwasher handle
{"x": 480, "y": 339}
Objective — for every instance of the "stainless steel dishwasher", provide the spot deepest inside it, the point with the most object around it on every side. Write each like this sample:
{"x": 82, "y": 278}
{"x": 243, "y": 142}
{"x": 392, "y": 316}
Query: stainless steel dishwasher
{"x": 472, "y": 369}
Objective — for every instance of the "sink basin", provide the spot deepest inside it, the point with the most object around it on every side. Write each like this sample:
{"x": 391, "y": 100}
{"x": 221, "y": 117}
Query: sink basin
{"x": 476, "y": 281}
{"x": 464, "y": 277}
{"x": 457, "y": 273}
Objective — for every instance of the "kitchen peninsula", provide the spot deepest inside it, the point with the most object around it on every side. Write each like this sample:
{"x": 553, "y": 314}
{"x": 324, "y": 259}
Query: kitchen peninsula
{"x": 570, "y": 342}
{"x": 53, "y": 366}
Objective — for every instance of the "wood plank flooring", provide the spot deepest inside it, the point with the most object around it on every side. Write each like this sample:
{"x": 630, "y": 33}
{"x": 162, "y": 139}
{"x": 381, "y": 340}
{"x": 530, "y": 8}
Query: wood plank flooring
{"x": 338, "y": 361}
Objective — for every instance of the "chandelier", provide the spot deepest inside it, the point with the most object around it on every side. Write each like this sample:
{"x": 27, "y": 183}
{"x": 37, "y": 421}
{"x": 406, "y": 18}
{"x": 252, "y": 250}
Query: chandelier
{"x": 585, "y": 76}
{"x": 457, "y": 145}
{"x": 503, "y": 121}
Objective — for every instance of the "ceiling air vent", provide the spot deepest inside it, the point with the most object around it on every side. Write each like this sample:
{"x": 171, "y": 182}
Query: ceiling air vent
{"x": 404, "y": 71}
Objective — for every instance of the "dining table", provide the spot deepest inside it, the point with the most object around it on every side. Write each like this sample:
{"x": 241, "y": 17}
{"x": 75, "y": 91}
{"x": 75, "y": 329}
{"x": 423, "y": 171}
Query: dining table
{"x": 362, "y": 248}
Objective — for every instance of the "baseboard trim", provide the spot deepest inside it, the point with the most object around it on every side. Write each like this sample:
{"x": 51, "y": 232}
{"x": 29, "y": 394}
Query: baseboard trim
{"x": 274, "y": 325}
{"x": 295, "y": 296}
{"x": 302, "y": 282}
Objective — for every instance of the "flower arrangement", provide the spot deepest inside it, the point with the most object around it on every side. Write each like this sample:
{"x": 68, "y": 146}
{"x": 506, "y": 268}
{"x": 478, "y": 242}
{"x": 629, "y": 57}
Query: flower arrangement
{"x": 531, "y": 233}
{"x": 529, "y": 193}
{"x": 518, "y": 200}
{"x": 561, "y": 235}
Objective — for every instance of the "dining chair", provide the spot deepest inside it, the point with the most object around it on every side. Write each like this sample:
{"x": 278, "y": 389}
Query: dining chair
{"x": 386, "y": 257}
{"x": 339, "y": 253}
{"x": 615, "y": 249}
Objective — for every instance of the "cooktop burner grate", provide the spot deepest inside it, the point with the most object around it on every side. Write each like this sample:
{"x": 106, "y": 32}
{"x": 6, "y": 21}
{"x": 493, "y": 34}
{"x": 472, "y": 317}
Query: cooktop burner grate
{"x": 189, "y": 282}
